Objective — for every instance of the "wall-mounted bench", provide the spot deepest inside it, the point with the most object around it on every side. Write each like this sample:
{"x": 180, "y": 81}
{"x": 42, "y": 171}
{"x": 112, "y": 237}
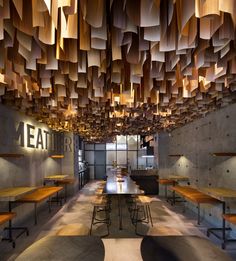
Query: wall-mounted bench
{"x": 39, "y": 195}
{"x": 7, "y": 217}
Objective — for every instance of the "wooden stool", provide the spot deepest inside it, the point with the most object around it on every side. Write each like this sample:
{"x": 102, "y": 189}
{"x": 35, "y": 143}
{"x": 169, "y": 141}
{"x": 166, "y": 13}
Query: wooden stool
{"x": 75, "y": 229}
{"x": 100, "y": 205}
{"x": 142, "y": 204}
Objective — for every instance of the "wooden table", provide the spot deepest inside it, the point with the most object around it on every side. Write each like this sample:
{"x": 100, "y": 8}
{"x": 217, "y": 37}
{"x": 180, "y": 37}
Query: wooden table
{"x": 176, "y": 179}
{"x": 10, "y": 195}
{"x": 55, "y": 178}
{"x": 38, "y": 196}
{"x": 195, "y": 196}
{"x": 121, "y": 186}
{"x": 84, "y": 248}
{"x": 60, "y": 180}
{"x": 224, "y": 195}
{"x": 14, "y": 193}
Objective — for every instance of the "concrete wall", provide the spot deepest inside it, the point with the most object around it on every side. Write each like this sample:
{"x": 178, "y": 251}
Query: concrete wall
{"x": 196, "y": 142}
{"x": 35, "y": 164}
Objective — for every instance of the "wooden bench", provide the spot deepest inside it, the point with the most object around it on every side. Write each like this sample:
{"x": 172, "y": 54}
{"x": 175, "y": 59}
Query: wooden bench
{"x": 166, "y": 182}
{"x": 7, "y": 217}
{"x": 38, "y": 196}
{"x": 195, "y": 196}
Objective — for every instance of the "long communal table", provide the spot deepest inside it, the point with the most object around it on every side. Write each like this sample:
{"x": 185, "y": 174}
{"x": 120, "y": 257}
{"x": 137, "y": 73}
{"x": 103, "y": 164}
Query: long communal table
{"x": 120, "y": 186}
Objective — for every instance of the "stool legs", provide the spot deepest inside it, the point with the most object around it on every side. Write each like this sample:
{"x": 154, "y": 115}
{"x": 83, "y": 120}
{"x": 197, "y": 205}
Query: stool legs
{"x": 96, "y": 220}
{"x": 147, "y": 217}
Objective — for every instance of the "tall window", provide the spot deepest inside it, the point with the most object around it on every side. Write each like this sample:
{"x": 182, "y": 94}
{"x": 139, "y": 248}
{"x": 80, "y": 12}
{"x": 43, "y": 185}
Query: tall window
{"x": 124, "y": 152}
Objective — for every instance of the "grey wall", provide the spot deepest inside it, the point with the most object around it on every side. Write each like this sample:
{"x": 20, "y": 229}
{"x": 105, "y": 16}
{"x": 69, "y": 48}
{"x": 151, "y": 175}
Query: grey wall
{"x": 197, "y": 141}
{"x": 35, "y": 164}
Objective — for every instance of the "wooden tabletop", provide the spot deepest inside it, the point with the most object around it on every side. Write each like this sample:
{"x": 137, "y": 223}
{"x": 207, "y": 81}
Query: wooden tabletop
{"x": 124, "y": 185}
{"x": 40, "y": 194}
{"x": 14, "y": 193}
{"x": 56, "y": 177}
{"x": 223, "y": 194}
{"x": 86, "y": 248}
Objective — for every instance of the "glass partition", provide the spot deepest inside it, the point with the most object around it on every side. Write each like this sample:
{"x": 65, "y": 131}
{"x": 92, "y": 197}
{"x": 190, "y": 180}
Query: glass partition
{"x": 124, "y": 152}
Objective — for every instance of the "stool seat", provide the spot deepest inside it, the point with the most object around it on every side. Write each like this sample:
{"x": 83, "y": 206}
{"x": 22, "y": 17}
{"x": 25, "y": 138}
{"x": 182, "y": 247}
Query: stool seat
{"x": 6, "y": 216}
{"x": 144, "y": 200}
{"x": 99, "y": 191}
{"x": 76, "y": 229}
{"x": 99, "y": 201}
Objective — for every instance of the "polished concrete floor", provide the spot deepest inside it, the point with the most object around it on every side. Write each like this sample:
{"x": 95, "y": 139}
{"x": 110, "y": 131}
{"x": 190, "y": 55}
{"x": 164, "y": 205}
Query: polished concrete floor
{"x": 167, "y": 219}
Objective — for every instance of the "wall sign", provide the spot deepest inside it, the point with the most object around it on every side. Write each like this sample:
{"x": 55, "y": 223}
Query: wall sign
{"x": 27, "y": 135}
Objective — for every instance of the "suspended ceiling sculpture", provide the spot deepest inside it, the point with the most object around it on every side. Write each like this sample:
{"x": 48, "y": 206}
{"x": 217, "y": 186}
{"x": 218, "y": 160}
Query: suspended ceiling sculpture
{"x": 102, "y": 68}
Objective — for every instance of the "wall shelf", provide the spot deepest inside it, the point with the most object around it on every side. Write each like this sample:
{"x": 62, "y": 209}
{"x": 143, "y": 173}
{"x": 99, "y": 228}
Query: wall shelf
{"x": 175, "y": 155}
{"x": 11, "y": 155}
{"x": 57, "y": 156}
{"x": 224, "y": 154}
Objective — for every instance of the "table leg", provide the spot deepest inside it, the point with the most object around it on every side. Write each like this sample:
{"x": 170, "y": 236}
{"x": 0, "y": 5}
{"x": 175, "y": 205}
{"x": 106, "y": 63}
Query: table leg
{"x": 65, "y": 192}
{"x": 223, "y": 225}
{"x": 198, "y": 214}
{"x": 35, "y": 214}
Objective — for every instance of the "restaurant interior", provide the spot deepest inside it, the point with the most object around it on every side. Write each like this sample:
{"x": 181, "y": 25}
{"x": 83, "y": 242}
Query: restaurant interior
{"x": 117, "y": 130}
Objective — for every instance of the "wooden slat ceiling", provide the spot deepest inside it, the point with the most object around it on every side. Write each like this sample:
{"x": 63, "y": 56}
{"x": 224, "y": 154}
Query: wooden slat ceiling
{"x": 102, "y": 68}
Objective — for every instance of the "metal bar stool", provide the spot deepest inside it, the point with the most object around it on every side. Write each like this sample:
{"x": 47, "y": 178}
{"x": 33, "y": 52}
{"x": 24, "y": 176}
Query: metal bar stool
{"x": 100, "y": 205}
{"x": 142, "y": 205}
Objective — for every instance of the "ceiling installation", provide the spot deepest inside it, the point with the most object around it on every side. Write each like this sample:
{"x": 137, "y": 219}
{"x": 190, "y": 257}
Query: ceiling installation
{"x": 102, "y": 68}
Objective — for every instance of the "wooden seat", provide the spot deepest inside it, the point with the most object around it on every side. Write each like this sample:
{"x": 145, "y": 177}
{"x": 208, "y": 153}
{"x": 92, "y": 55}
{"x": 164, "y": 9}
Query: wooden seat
{"x": 99, "y": 191}
{"x": 75, "y": 229}
{"x": 166, "y": 181}
{"x": 38, "y": 196}
{"x": 6, "y": 216}
{"x": 144, "y": 200}
{"x": 231, "y": 218}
